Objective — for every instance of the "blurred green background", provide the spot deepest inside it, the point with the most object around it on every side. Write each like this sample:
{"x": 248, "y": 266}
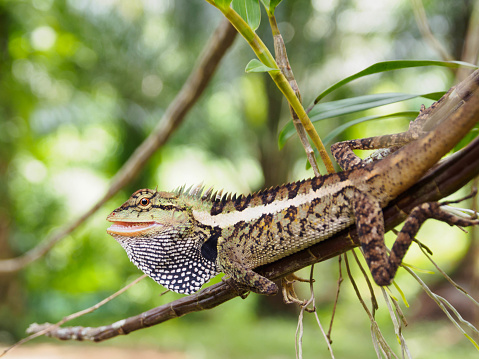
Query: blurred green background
{"x": 83, "y": 82}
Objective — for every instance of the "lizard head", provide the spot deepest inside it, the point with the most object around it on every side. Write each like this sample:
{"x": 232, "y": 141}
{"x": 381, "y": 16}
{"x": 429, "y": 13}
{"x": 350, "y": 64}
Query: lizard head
{"x": 158, "y": 232}
{"x": 148, "y": 211}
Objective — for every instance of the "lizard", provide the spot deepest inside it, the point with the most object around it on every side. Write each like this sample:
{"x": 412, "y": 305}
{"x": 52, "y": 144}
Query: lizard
{"x": 181, "y": 239}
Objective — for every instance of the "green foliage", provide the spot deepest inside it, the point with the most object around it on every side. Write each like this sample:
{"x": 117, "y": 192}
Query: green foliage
{"x": 391, "y": 66}
{"x": 223, "y": 3}
{"x": 257, "y": 66}
{"x": 270, "y": 6}
{"x": 84, "y": 82}
{"x": 327, "y": 110}
{"x": 249, "y": 10}
{"x": 340, "y": 129}
{"x": 351, "y": 105}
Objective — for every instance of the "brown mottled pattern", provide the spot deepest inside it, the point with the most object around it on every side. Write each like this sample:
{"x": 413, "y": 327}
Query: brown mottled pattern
{"x": 242, "y": 202}
{"x": 293, "y": 188}
{"x": 278, "y": 234}
{"x": 370, "y": 224}
{"x": 182, "y": 239}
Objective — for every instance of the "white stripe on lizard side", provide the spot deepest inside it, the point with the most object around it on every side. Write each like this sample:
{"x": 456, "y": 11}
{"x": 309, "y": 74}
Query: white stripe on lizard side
{"x": 224, "y": 220}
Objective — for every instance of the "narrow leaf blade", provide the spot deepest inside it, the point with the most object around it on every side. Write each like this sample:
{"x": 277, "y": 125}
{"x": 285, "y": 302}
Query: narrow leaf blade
{"x": 340, "y": 129}
{"x": 351, "y": 105}
{"x": 390, "y": 66}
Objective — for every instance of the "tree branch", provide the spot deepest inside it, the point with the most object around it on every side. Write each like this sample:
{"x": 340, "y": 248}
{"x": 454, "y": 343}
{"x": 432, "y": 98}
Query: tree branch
{"x": 194, "y": 86}
{"x": 446, "y": 178}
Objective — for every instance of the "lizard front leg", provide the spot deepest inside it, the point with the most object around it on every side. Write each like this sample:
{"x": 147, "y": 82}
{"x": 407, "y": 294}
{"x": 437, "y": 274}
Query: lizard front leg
{"x": 343, "y": 151}
{"x": 230, "y": 262}
{"x": 347, "y": 159}
{"x": 370, "y": 225}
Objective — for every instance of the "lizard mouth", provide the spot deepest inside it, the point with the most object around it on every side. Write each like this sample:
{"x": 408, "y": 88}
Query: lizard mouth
{"x": 131, "y": 228}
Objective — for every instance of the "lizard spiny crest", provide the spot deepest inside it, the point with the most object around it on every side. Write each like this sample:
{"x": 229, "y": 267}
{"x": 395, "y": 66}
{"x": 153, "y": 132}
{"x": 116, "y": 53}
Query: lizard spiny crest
{"x": 157, "y": 232}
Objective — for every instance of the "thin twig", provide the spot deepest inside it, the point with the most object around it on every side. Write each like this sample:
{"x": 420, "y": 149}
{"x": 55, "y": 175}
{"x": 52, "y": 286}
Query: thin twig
{"x": 46, "y": 328}
{"x": 378, "y": 339}
{"x": 374, "y": 302}
{"x": 470, "y": 50}
{"x": 298, "y": 344}
{"x": 283, "y": 64}
{"x": 299, "y": 328}
{"x": 336, "y": 299}
{"x": 397, "y": 324}
{"x": 444, "y": 274}
{"x": 325, "y": 336}
{"x": 423, "y": 25}
{"x": 194, "y": 86}
{"x": 447, "y": 308}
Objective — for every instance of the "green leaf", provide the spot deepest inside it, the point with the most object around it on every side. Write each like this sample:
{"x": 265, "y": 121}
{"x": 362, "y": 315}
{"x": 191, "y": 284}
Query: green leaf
{"x": 274, "y": 3}
{"x": 390, "y": 66}
{"x": 249, "y": 10}
{"x": 338, "y": 130}
{"x": 223, "y": 3}
{"x": 361, "y": 103}
{"x": 257, "y": 66}
{"x": 351, "y": 105}
{"x": 270, "y": 5}
{"x": 266, "y": 3}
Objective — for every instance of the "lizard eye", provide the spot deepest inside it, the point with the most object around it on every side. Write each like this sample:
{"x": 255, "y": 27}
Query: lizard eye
{"x": 145, "y": 201}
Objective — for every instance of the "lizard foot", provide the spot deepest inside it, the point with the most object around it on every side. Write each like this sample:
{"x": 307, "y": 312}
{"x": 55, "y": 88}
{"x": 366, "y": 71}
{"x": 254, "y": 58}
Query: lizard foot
{"x": 239, "y": 288}
{"x": 289, "y": 294}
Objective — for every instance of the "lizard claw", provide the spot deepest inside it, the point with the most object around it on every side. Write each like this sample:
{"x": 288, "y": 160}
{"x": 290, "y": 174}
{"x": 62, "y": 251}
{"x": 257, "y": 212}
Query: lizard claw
{"x": 289, "y": 294}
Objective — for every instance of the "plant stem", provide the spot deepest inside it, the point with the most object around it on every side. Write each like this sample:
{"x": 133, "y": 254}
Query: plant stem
{"x": 267, "y": 59}
{"x": 283, "y": 64}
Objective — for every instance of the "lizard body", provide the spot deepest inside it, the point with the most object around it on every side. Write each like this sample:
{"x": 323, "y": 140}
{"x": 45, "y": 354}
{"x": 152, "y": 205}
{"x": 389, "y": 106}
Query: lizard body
{"x": 183, "y": 238}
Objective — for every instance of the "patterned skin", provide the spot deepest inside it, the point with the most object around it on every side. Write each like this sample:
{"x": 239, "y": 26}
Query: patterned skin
{"x": 183, "y": 238}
